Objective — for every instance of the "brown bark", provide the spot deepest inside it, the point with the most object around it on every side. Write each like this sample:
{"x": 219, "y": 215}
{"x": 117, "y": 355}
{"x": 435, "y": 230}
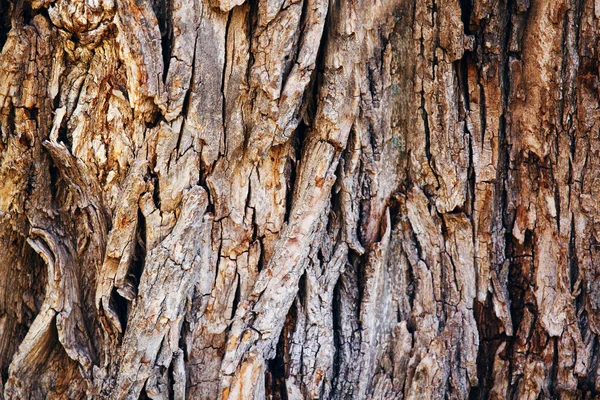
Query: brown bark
{"x": 294, "y": 199}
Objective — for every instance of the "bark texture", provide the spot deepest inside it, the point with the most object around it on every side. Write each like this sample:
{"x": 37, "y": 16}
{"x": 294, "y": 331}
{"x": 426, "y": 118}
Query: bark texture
{"x": 299, "y": 199}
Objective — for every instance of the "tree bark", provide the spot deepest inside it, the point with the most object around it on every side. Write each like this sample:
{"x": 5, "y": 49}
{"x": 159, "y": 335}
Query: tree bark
{"x": 289, "y": 199}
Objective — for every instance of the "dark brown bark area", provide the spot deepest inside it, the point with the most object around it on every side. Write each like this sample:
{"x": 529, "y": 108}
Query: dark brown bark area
{"x": 299, "y": 199}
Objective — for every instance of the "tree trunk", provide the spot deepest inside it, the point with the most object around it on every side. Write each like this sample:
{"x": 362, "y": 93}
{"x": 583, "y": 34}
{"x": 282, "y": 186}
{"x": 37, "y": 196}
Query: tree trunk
{"x": 299, "y": 199}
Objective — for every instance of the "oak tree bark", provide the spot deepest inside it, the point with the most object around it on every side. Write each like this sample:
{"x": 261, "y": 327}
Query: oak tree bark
{"x": 289, "y": 199}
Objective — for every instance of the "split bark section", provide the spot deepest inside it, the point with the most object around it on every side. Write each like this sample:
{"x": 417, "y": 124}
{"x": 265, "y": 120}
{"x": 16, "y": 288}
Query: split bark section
{"x": 298, "y": 199}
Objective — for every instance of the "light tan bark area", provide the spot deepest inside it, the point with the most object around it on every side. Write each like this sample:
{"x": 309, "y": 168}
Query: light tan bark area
{"x": 299, "y": 199}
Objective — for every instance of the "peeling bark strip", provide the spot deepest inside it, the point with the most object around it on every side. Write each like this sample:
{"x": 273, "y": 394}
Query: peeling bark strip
{"x": 288, "y": 199}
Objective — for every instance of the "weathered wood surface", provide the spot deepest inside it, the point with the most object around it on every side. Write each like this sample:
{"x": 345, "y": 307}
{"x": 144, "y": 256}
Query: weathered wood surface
{"x": 288, "y": 199}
